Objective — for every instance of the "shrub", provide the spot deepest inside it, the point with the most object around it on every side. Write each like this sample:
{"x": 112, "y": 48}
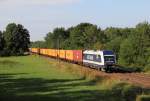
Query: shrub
{"x": 143, "y": 98}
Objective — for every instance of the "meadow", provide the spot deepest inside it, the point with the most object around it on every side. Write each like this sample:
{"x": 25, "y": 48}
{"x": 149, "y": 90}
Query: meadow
{"x": 36, "y": 78}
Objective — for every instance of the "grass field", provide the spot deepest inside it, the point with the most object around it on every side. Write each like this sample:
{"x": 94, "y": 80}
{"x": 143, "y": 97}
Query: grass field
{"x": 34, "y": 78}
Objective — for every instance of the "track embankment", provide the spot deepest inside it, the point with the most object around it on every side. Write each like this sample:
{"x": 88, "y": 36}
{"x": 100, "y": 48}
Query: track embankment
{"x": 134, "y": 78}
{"x": 139, "y": 79}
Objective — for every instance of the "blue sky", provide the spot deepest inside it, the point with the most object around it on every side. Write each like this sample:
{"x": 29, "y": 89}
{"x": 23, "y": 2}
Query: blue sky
{"x": 42, "y": 16}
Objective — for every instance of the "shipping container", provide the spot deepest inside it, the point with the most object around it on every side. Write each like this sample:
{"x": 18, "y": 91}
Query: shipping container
{"x": 77, "y": 55}
{"x": 46, "y": 52}
{"x": 54, "y": 54}
{"x": 49, "y": 52}
{"x": 42, "y": 51}
{"x": 34, "y": 50}
{"x": 62, "y": 54}
{"x": 69, "y": 55}
{"x": 57, "y": 53}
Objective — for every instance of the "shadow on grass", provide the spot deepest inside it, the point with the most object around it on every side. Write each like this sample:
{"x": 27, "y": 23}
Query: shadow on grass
{"x": 37, "y": 89}
{"x": 8, "y": 62}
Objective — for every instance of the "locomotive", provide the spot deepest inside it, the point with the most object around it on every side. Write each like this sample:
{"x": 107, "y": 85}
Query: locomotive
{"x": 102, "y": 60}
{"x": 98, "y": 59}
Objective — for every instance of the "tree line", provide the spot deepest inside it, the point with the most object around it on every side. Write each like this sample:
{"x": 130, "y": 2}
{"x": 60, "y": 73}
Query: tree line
{"x": 14, "y": 41}
{"x": 131, "y": 45}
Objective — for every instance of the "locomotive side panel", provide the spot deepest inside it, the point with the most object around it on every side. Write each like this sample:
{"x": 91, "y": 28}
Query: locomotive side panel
{"x": 93, "y": 59}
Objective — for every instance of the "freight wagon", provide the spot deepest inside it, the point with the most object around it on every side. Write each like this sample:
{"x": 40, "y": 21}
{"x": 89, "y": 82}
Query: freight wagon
{"x": 69, "y": 55}
{"x": 101, "y": 60}
{"x": 62, "y": 54}
{"x": 78, "y": 56}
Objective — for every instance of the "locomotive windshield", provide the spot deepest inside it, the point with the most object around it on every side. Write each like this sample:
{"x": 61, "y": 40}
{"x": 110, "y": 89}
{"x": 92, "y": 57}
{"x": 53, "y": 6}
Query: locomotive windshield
{"x": 109, "y": 58}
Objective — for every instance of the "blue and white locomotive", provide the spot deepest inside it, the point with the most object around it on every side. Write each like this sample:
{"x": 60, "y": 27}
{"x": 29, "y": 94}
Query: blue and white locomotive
{"x": 101, "y": 60}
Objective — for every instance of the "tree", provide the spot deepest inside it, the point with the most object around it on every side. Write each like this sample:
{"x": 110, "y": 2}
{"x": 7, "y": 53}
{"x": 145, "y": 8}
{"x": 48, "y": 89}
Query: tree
{"x": 49, "y": 40}
{"x": 114, "y": 45}
{"x": 93, "y": 37}
{"x": 17, "y": 39}
{"x": 112, "y": 33}
{"x": 38, "y": 44}
{"x": 127, "y": 52}
{"x": 8, "y": 37}
{"x": 1, "y": 41}
{"x": 56, "y": 38}
{"x": 143, "y": 42}
{"x": 85, "y": 35}
{"x": 82, "y": 36}
{"x": 134, "y": 50}
{"x": 23, "y": 39}
{"x": 1, "y": 44}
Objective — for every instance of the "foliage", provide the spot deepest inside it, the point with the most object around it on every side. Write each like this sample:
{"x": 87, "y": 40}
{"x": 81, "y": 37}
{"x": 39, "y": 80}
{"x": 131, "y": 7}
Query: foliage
{"x": 134, "y": 50}
{"x": 147, "y": 67}
{"x": 2, "y": 43}
{"x": 127, "y": 51}
{"x": 15, "y": 40}
{"x": 85, "y": 35}
{"x": 143, "y": 98}
{"x": 82, "y": 36}
{"x": 131, "y": 45}
{"x": 112, "y": 33}
{"x": 55, "y": 40}
{"x": 38, "y": 44}
{"x": 114, "y": 45}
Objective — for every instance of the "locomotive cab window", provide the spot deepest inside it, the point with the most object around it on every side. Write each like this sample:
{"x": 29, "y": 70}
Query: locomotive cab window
{"x": 98, "y": 56}
{"x": 109, "y": 58}
{"x": 90, "y": 57}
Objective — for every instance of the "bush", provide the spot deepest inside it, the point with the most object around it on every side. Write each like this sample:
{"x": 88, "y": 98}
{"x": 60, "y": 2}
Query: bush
{"x": 147, "y": 68}
{"x": 126, "y": 91}
{"x": 130, "y": 92}
{"x": 143, "y": 98}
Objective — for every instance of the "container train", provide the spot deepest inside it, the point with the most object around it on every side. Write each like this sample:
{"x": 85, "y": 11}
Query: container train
{"x": 99, "y": 59}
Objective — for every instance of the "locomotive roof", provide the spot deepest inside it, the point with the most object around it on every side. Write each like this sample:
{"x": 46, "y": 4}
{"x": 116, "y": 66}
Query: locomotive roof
{"x": 104, "y": 52}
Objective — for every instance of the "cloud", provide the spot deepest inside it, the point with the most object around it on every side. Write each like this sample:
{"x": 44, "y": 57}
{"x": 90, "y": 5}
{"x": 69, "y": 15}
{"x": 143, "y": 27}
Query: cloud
{"x": 35, "y": 2}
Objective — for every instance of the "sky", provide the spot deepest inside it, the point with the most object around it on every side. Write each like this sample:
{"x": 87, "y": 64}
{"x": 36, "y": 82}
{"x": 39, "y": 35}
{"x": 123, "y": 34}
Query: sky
{"x": 42, "y": 16}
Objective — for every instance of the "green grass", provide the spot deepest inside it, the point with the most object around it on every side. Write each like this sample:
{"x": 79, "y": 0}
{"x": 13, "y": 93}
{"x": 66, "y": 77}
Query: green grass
{"x": 34, "y": 78}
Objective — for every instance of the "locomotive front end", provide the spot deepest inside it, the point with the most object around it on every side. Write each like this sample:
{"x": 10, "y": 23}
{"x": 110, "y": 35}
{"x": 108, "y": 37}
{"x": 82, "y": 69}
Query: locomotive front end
{"x": 109, "y": 58}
